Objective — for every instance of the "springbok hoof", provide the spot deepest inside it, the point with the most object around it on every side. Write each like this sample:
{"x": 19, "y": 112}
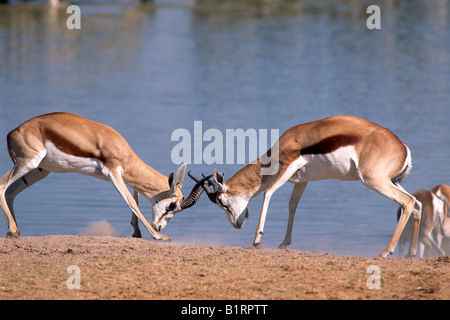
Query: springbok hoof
{"x": 385, "y": 253}
{"x": 11, "y": 235}
{"x": 257, "y": 246}
{"x": 164, "y": 238}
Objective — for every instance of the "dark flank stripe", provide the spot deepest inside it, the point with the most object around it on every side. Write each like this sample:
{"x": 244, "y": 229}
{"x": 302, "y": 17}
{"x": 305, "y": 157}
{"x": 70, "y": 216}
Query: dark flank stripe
{"x": 69, "y": 147}
{"x": 330, "y": 144}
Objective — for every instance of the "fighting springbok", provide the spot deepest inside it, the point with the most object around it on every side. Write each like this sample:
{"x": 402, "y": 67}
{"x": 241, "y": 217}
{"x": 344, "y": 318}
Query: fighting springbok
{"x": 65, "y": 142}
{"x": 432, "y": 225}
{"x": 338, "y": 147}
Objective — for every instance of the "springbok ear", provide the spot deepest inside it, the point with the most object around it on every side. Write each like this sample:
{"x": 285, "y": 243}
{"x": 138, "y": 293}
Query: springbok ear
{"x": 180, "y": 175}
{"x": 218, "y": 177}
{"x": 172, "y": 184}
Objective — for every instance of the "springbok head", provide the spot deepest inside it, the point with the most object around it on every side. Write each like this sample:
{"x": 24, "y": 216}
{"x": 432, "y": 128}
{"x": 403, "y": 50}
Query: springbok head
{"x": 234, "y": 205}
{"x": 163, "y": 210}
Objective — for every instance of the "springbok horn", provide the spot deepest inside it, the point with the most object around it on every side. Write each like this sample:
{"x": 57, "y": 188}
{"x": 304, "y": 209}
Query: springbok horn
{"x": 211, "y": 195}
{"x": 195, "y": 193}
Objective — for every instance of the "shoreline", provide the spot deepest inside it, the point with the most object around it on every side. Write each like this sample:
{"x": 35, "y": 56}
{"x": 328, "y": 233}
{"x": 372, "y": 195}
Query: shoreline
{"x": 129, "y": 268}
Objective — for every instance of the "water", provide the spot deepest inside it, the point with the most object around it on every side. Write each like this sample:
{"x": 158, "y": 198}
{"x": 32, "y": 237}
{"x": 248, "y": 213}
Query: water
{"x": 148, "y": 69}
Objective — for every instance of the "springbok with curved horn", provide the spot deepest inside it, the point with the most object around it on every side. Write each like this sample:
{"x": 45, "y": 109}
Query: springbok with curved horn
{"x": 65, "y": 142}
{"x": 338, "y": 147}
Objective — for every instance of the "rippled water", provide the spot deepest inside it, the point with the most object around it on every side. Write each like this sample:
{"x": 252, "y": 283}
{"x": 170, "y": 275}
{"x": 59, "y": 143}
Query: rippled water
{"x": 149, "y": 69}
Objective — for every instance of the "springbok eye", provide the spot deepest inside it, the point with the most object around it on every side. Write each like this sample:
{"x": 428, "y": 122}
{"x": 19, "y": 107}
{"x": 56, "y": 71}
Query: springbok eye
{"x": 222, "y": 204}
{"x": 171, "y": 206}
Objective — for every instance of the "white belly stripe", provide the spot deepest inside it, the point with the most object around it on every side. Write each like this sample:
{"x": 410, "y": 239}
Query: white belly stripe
{"x": 58, "y": 161}
{"x": 341, "y": 164}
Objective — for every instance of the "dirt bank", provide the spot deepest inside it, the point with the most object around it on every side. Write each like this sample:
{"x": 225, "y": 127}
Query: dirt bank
{"x": 127, "y": 268}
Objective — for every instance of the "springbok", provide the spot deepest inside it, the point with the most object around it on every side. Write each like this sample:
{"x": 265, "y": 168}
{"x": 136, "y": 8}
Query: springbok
{"x": 431, "y": 231}
{"x": 443, "y": 192}
{"x": 65, "y": 142}
{"x": 338, "y": 147}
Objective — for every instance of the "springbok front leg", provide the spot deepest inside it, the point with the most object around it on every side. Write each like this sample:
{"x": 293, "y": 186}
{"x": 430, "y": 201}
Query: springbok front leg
{"x": 284, "y": 175}
{"x": 119, "y": 184}
{"x": 296, "y": 195}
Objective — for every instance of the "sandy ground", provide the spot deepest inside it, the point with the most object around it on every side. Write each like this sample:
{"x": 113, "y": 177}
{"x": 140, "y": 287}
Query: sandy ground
{"x": 128, "y": 268}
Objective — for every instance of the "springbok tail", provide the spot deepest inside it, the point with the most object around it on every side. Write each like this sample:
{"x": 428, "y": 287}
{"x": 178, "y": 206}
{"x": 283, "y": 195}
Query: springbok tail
{"x": 407, "y": 166}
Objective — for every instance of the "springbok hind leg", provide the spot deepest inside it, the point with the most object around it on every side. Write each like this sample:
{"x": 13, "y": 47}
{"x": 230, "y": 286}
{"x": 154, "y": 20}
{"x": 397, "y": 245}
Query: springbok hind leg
{"x": 4, "y": 184}
{"x": 409, "y": 204}
{"x": 19, "y": 171}
{"x": 20, "y": 185}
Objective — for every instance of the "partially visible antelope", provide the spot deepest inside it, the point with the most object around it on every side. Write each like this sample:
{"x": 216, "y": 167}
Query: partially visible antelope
{"x": 431, "y": 225}
{"x": 338, "y": 147}
{"x": 65, "y": 142}
{"x": 443, "y": 192}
